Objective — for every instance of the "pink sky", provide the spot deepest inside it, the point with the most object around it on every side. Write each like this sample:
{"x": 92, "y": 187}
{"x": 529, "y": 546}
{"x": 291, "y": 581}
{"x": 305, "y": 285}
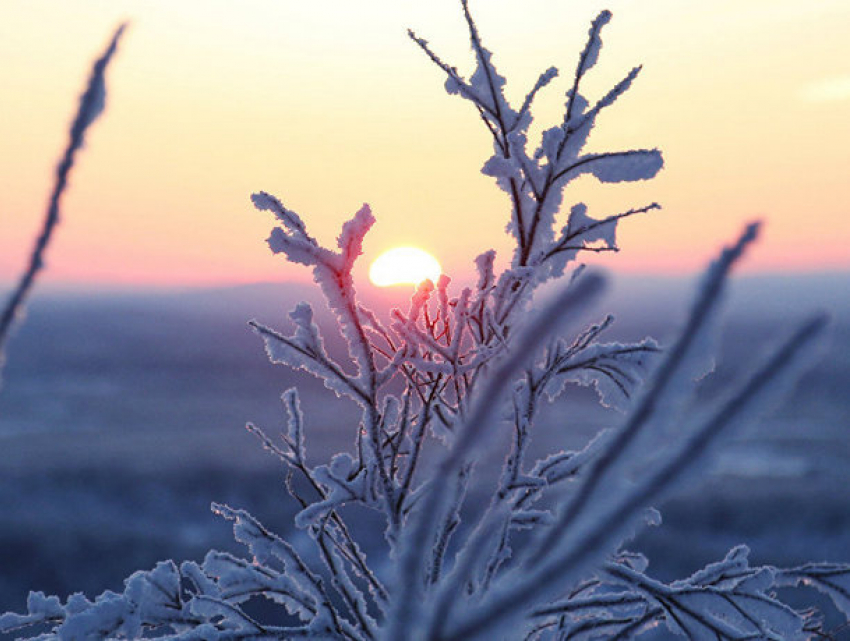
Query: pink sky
{"x": 328, "y": 105}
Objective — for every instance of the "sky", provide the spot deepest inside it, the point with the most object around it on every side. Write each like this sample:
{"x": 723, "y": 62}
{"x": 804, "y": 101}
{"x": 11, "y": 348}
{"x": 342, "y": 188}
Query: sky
{"x": 329, "y": 105}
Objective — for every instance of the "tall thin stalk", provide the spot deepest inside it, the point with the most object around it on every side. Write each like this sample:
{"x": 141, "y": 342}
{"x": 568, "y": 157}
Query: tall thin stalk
{"x": 92, "y": 103}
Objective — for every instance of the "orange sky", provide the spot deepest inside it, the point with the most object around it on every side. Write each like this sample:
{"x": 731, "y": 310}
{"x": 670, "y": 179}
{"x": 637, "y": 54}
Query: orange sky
{"x": 329, "y": 105}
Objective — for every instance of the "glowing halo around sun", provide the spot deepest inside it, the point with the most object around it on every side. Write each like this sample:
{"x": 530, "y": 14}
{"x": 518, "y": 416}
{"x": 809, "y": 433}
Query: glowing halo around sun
{"x": 404, "y": 266}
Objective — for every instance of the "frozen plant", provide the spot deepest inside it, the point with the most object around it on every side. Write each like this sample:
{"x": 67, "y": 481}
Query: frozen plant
{"x": 544, "y": 557}
{"x": 92, "y": 104}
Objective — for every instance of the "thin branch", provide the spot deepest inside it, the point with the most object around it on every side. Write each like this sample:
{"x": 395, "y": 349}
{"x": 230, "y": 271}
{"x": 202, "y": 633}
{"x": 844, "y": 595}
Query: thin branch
{"x": 564, "y": 307}
{"x": 601, "y": 20}
{"x": 559, "y": 567}
{"x": 584, "y": 160}
{"x": 451, "y": 72}
{"x": 92, "y": 104}
{"x": 663, "y": 378}
{"x": 572, "y": 234}
{"x": 331, "y": 367}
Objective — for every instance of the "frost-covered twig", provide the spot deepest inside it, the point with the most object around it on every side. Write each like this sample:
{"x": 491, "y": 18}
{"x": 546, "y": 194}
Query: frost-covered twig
{"x": 410, "y": 567}
{"x": 92, "y": 104}
{"x": 702, "y": 312}
{"x": 604, "y": 506}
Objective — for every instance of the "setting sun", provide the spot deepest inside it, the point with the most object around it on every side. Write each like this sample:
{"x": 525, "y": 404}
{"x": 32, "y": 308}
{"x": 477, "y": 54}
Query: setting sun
{"x": 404, "y": 265}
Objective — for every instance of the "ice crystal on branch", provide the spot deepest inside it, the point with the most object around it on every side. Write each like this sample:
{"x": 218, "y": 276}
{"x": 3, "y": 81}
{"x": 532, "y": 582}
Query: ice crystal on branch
{"x": 542, "y": 555}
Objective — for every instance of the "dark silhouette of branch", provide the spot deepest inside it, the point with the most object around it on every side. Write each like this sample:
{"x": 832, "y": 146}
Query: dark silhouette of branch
{"x": 91, "y": 106}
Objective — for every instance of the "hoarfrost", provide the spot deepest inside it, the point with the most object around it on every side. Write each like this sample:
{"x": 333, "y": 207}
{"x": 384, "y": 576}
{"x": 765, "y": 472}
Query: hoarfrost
{"x": 435, "y": 386}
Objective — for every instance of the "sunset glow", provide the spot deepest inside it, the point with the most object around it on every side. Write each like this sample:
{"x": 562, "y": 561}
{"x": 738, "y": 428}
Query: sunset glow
{"x": 404, "y": 265}
{"x": 210, "y": 102}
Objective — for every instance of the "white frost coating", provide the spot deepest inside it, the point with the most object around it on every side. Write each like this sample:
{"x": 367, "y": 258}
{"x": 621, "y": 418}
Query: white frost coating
{"x": 419, "y": 300}
{"x": 627, "y": 167}
{"x": 618, "y": 90}
{"x": 828, "y": 578}
{"x": 728, "y": 600}
{"x": 40, "y": 608}
{"x": 500, "y": 167}
{"x": 453, "y": 86}
{"x": 350, "y": 240}
{"x": 484, "y": 265}
{"x": 309, "y": 355}
{"x": 614, "y": 369}
{"x": 564, "y": 465}
{"x": 297, "y": 250}
{"x": 594, "y": 44}
{"x": 306, "y": 332}
{"x": 535, "y": 184}
{"x": 579, "y": 126}
{"x": 588, "y": 230}
{"x": 294, "y": 424}
{"x": 488, "y": 85}
{"x": 332, "y": 272}
{"x": 200, "y": 582}
{"x": 551, "y": 143}
{"x": 607, "y": 501}
{"x": 267, "y": 548}
{"x": 266, "y": 202}
{"x": 339, "y": 490}
{"x": 524, "y": 118}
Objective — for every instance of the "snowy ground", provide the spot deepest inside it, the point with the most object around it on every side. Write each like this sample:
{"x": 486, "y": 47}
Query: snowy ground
{"x": 121, "y": 419}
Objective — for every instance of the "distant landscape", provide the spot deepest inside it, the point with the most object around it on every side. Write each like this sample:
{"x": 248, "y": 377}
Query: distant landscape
{"x": 121, "y": 419}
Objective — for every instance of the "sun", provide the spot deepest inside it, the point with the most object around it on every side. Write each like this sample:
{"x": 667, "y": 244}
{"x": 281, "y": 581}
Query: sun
{"x": 404, "y": 265}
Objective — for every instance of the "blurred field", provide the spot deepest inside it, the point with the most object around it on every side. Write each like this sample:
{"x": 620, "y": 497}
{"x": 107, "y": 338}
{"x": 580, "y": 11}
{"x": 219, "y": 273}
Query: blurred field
{"x": 121, "y": 419}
